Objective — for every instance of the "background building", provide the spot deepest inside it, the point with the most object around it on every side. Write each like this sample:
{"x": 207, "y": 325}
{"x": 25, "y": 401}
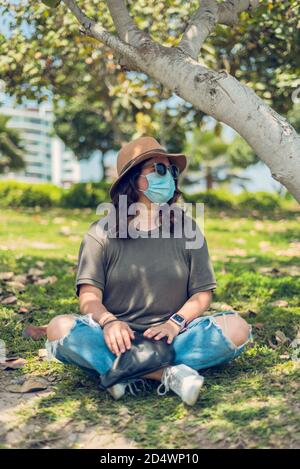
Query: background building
{"x": 47, "y": 158}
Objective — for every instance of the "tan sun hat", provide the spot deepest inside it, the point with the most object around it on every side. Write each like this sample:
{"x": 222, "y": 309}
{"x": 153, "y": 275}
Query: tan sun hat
{"x": 139, "y": 150}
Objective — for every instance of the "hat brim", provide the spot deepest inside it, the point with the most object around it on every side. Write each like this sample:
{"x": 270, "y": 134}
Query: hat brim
{"x": 177, "y": 158}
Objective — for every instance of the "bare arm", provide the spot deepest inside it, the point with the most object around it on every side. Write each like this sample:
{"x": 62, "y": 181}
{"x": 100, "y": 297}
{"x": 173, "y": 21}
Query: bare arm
{"x": 196, "y": 305}
{"x": 118, "y": 334}
{"x": 90, "y": 302}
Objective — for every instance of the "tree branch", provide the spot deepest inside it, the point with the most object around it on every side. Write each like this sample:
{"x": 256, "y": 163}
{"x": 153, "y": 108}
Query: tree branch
{"x": 205, "y": 18}
{"x": 125, "y": 26}
{"x": 94, "y": 29}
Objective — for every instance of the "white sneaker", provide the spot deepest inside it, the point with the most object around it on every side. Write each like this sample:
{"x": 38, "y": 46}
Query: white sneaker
{"x": 184, "y": 381}
{"x": 134, "y": 387}
{"x": 117, "y": 391}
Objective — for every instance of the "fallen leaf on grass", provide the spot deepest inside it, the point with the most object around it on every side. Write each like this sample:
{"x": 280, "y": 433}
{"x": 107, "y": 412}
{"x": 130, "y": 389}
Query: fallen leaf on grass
{"x": 43, "y": 354}
{"x": 65, "y": 231}
{"x": 33, "y": 272}
{"x": 9, "y": 300}
{"x": 280, "y": 303}
{"x": 47, "y": 280}
{"x": 35, "y": 332}
{"x": 6, "y": 275}
{"x": 16, "y": 285}
{"x": 23, "y": 310}
{"x": 12, "y": 363}
{"x": 259, "y": 325}
{"x": 281, "y": 338}
{"x": 22, "y": 278}
{"x": 271, "y": 271}
{"x": 30, "y": 385}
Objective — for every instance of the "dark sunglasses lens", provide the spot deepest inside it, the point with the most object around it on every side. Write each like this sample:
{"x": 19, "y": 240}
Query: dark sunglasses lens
{"x": 161, "y": 169}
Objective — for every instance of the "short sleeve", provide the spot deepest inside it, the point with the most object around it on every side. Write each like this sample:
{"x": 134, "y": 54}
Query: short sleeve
{"x": 201, "y": 275}
{"x": 91, "y": 263}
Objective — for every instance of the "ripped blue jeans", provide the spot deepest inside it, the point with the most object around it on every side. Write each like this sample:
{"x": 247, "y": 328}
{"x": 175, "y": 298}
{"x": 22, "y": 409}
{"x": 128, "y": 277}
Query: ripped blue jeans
{"x": 201, "y": 345}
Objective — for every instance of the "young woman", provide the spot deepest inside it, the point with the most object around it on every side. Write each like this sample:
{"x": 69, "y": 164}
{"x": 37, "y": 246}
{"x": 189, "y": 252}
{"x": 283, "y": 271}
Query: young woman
{"x": 147, "y": 282}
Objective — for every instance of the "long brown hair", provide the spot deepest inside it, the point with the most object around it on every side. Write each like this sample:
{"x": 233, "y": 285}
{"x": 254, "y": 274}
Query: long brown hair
{"x": 127, "y": 185}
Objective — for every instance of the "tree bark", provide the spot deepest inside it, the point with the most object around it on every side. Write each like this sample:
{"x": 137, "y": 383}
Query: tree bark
{"x": 221, "y": 96}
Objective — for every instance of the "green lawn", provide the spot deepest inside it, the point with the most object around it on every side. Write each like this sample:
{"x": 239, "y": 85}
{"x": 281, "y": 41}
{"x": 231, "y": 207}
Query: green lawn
{"x": 251, "y": 403}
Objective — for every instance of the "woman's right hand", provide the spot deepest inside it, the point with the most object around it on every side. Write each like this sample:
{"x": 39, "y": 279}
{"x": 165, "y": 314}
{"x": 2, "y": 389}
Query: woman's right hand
{"x": 118, "y": 336}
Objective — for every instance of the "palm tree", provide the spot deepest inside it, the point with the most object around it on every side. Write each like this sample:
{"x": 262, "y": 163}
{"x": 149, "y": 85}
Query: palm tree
{"x": 12, "y": 151}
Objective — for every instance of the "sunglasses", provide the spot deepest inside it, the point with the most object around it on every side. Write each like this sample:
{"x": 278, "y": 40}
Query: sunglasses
{"x": 162, "y": 168}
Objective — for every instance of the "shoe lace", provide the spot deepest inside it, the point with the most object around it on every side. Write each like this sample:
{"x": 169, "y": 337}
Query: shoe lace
{"x": 137, "y": 386}
{"x": 165, "y": 382}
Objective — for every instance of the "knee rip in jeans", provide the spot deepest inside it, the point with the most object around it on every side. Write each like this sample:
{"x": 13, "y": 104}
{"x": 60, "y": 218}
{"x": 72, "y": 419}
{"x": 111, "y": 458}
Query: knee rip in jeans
{"x": 225, "y": 331}
{"x": 51, "y": 345}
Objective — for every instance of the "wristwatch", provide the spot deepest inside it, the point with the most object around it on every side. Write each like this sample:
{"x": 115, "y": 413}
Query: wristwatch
{"x": 179, "y": 320}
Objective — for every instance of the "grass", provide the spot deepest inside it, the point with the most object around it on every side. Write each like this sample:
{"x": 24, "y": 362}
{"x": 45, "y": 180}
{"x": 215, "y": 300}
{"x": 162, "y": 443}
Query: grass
{"x": 253, "y": 402}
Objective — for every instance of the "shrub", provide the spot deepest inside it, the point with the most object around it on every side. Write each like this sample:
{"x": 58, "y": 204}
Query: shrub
{"x": 22, "y": 194}
{"x": 86, "y": 195}
{"x": 258, "y": 201}
{"x": 213, "y": 198}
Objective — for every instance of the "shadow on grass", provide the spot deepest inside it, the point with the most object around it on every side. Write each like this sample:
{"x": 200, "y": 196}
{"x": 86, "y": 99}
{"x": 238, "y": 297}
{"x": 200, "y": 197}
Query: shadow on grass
{"x": 235, "y": 396}
{"x": 229, "y": 408}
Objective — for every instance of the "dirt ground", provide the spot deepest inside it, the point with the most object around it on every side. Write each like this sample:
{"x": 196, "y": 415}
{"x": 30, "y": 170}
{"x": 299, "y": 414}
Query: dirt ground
{"x": 15, "y": 432}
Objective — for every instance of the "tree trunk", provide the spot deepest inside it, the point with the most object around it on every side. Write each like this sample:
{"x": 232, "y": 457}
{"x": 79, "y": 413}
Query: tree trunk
{"x": 221, "y": 96}
{"x": 209, "y": 178}
{"x": 103, "y": 168}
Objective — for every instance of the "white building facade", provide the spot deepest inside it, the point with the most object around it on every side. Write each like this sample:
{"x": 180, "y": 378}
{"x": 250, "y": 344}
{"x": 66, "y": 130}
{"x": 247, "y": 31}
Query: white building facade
{"x": 47, "y": 159}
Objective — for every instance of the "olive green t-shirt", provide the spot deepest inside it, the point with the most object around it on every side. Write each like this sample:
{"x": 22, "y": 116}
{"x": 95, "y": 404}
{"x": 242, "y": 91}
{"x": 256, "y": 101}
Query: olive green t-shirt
{"x": 144, "y": 280}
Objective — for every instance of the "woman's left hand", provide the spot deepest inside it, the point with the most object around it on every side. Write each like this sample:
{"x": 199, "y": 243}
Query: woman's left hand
{"x": 167, "y": 329}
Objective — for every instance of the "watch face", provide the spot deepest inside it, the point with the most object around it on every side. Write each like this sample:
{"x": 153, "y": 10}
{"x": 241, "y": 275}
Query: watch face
{"x": 178, "y": 318}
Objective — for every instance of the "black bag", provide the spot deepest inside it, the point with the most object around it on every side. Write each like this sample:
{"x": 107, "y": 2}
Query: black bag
{"x": 146, "y": 355}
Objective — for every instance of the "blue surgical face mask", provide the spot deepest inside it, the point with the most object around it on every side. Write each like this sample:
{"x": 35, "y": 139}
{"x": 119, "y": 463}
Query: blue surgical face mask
{"x": 160, "y": 188}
